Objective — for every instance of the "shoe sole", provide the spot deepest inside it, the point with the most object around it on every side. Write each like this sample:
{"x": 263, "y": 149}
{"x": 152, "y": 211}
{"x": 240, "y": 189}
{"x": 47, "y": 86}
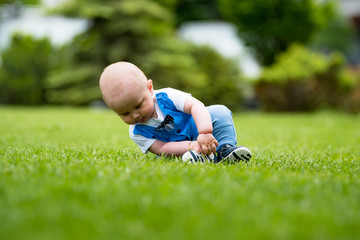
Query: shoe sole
{"x": 239, "y": 154}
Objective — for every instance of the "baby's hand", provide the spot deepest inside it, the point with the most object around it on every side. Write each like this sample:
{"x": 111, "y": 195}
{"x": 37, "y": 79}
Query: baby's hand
{"x": 207, "y": 143}
{"x": 194, "y": 145}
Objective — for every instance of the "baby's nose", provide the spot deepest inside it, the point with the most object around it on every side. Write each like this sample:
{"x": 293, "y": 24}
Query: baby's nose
{"x": 136, "y": 115}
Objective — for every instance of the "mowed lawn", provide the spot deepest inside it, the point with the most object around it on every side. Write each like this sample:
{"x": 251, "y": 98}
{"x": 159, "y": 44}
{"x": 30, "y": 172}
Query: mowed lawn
{"x": 73, "y": 173}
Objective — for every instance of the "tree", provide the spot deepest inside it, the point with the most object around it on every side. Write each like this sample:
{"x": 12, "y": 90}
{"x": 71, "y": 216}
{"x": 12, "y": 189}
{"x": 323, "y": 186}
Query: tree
{"x": 270, "y": 26}
{"x": 195, "y": 10}
{"x": 28, "y": 2}
{"x": 337, "y": 35}
{"x": 223, "y": 83}
{"x": 138, "y": 31}
{"x": 25, "y": 65}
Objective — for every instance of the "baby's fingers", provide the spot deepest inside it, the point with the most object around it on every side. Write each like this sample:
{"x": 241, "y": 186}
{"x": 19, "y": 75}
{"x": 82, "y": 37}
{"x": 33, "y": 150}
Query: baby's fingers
{"x": 204, "y": 149}
{"x": 213, "y": 148}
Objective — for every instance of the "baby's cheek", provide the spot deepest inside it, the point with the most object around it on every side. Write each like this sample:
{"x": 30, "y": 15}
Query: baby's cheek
{"x": 127, "y": 120}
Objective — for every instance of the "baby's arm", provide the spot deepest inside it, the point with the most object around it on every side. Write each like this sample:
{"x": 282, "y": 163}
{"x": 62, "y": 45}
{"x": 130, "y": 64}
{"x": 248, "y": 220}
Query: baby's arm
{"x": 203, "y": 123}
{"x": 173, "y": 148}
{"x": 206, "y": 143}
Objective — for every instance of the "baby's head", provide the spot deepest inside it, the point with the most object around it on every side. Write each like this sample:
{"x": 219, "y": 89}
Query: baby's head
{"x": 126, "y": 90}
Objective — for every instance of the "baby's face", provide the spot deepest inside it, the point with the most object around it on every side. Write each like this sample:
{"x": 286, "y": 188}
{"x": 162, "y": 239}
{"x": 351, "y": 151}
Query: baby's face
{"x": 127, "y": 91}
{"x": 136, "y": 104}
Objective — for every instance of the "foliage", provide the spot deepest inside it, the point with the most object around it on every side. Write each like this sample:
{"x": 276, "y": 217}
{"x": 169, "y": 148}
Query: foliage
{"x": 338, "y": 35}
{"x": 195, "y": 10}
{"x": 58, "y": 180}
{"x": 28, "y": 2}
{"x": 169, "y": 4}
{"x": 352, "y": 100}
{"x": 271, "y": 26}
{"x": 136, "y": 31}
{"x": 141, "y": 32}
{"x": 301, "y": 80}
{"x": 223, "y": 77}
{"x": 25, "y": 65}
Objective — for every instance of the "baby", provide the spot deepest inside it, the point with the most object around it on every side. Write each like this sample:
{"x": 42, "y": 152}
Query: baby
{"x": 168, "y": 121}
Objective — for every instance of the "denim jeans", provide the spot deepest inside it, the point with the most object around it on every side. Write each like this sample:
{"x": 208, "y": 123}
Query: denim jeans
{"x": 223, "y": 125}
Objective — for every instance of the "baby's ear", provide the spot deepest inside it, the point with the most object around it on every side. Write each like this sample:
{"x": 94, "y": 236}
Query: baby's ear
{"x": 150, "y": 85}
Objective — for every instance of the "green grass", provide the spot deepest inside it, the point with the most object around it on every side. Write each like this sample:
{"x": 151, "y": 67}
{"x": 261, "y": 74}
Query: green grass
{"x": 73, "y": 173}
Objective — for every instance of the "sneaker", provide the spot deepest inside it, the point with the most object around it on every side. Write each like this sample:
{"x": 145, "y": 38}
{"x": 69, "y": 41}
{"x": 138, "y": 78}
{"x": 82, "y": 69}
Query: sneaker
{"x": 193, "y": 157}
{"x": 231, "y": 154}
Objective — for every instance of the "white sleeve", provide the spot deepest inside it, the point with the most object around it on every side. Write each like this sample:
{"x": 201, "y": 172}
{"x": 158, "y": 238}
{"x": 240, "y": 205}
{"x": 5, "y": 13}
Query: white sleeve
{"x": 143, "y": 143}
{"x": 178, "y": 97}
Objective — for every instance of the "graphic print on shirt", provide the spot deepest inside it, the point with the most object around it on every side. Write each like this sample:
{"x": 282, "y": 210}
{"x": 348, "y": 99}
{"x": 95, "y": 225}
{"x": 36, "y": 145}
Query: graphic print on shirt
{"x": 167, "y": 120}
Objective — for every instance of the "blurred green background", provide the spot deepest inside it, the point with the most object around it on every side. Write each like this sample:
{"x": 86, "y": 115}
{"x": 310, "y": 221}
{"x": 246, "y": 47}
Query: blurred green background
{"x": 307, "y": 52}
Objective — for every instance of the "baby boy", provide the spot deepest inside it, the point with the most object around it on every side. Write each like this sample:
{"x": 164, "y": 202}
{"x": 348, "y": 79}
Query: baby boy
{"x": 168, "y": 121}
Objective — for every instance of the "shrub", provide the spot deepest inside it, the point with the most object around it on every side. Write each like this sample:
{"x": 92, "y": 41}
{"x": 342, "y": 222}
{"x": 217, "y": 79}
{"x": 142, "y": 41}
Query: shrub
{"x": 352, "y": 100}
{"x": 223, "y": 78}
{"x": 301, "y": 80}
{"x": 25, "y": 65}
